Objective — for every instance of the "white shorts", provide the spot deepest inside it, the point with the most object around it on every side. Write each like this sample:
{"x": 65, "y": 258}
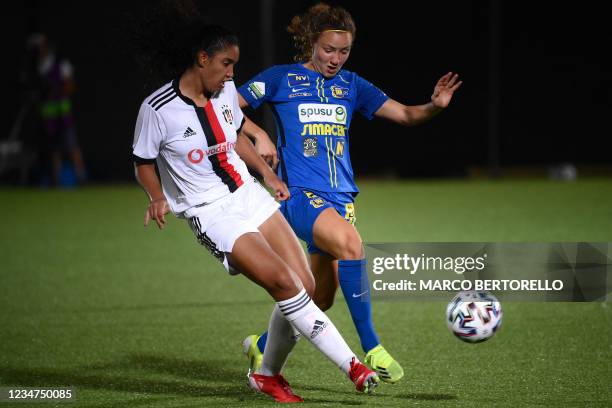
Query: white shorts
{"x": 218, "y": 225}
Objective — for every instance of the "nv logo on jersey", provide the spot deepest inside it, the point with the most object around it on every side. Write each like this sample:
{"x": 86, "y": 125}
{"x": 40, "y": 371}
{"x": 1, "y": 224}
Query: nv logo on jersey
{"x": 188, "y": 132}
{"x": 298, "y": 81}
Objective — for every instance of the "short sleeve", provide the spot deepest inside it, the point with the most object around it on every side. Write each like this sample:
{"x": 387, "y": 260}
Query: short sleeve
{"x": 149, "y": 133}
{"x": 263, "y": 86}
{"x": 369, "y": 97}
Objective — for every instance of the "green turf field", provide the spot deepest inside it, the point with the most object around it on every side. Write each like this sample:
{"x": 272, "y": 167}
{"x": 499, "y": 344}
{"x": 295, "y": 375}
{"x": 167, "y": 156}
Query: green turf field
{"x": 135, "y": 317}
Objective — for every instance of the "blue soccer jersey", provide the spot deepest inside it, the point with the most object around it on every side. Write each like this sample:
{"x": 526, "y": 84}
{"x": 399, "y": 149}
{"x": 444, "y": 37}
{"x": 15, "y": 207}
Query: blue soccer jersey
{"x": 313, "y": 115}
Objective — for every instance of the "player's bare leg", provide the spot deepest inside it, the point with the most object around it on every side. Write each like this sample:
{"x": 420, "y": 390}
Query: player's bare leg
{"x": 283, "y": 241}
{"x": 333, "y": 235}
{"x": 325, "y": 271}
{"x": 254, "y": 257}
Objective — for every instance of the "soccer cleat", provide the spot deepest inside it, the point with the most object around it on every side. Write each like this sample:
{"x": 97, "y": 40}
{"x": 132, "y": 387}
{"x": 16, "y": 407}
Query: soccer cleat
{"x": 387, "y": 368}
{"x": 365, "y": 380}
{"x": 275, "y": 386}
{"x": 250, "y": 349}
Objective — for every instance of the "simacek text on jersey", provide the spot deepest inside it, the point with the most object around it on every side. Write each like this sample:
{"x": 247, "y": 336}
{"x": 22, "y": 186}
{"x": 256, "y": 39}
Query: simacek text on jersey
{"x": 478, "y": 284}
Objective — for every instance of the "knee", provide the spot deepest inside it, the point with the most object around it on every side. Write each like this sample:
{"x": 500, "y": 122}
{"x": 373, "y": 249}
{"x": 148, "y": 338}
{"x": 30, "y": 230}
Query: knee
{"x": 285, "y": 283}
{"x": 350, "y": 247}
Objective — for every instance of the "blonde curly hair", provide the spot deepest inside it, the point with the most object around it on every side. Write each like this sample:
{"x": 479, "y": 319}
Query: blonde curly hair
{"x": 307, "y": 28}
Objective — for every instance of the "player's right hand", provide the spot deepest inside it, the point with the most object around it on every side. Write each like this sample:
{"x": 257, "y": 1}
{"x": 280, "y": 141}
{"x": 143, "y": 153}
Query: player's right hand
{"x": 157, "y": 210}
{"x": 281, "y": 192}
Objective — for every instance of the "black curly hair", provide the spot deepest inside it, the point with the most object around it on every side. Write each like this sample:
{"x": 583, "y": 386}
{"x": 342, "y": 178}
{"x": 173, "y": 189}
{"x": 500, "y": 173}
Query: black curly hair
{"x": 167, "y": 37}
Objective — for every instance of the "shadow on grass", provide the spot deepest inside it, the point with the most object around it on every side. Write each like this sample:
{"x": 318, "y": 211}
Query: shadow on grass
{"x": 228, "y": 382}
{"x": 413, "y": 396}
{"x": 426, "y": 397}
{"x": 213, "y": 370}
{"x": 140, "y": 308}
{"x": 64, "y": 378}
{"x": 150, "y": 307}
{"x": 349, "y": 390}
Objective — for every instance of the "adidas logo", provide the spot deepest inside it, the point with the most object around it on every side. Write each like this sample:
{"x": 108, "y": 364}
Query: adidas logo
{"x": 317, "y": 328}
{"x": 189, "y": 132}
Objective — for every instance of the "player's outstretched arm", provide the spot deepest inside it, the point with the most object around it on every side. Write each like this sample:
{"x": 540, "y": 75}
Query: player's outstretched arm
{"x": 411, "y": 115}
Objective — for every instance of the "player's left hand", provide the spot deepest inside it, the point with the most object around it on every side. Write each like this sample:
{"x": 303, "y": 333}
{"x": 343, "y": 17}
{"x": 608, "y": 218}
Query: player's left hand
{"x": 266, "y": 149}
{"x": 156, "y": 210}
{"x": 444, "y": 89}
{"x": 281, "y": 192}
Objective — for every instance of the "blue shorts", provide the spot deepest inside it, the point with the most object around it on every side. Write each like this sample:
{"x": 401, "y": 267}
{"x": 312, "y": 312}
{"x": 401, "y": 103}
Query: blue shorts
{"x": 304, "y": 206}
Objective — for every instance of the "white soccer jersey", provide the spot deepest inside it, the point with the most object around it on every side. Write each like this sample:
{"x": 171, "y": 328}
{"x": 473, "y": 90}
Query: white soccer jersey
{"x": 193, "y": 146}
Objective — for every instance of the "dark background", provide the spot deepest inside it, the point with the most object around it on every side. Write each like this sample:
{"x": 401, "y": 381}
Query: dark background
{"x": 536, "y": 78}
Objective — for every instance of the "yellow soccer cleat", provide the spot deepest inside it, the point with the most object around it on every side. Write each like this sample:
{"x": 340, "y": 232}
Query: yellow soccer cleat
{"x": 381, "y": 361}
{"x": 250, "y": 349}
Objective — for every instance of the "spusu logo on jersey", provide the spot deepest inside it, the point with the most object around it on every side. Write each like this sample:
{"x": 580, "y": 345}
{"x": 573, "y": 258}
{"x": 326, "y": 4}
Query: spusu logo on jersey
{"x": 319, "y": 112}
{"x": 195, "y": 156}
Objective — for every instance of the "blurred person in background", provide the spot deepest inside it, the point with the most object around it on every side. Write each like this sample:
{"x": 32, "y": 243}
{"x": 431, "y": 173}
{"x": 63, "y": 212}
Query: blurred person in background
{"x": 49, "y": 78}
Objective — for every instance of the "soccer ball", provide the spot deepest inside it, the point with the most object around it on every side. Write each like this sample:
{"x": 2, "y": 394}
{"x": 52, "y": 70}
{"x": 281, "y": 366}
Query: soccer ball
{"x": 474, "y": 316}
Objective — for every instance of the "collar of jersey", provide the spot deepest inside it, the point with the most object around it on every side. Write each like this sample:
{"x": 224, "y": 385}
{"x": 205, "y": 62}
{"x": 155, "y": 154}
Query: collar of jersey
{"x": 187, "y": 100}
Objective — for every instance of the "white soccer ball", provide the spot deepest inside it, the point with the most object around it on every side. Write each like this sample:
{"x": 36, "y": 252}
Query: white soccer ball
{"x": 474, "y": 316}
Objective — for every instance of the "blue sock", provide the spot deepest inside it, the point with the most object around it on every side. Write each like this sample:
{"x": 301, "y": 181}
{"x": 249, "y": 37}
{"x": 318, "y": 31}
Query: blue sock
{"x": 356, "y": 289}
{"x": 261, "y": 342}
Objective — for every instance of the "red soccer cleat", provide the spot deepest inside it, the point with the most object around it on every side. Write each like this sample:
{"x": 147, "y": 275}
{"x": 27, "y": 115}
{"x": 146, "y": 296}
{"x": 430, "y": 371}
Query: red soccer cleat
{"x": 365, "y": 380}
{"x": 275, "y": 386}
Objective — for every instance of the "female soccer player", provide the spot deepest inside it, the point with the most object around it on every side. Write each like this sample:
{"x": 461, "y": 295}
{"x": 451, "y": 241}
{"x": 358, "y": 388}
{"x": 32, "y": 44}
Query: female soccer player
{"x": 191, "y": 127}
{"x": 314, "y": 101}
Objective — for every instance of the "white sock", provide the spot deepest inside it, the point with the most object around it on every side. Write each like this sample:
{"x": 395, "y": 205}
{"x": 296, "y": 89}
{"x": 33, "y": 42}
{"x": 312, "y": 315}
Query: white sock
{"x": 281, "y": 340}
{"x": 315, "y": 326}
